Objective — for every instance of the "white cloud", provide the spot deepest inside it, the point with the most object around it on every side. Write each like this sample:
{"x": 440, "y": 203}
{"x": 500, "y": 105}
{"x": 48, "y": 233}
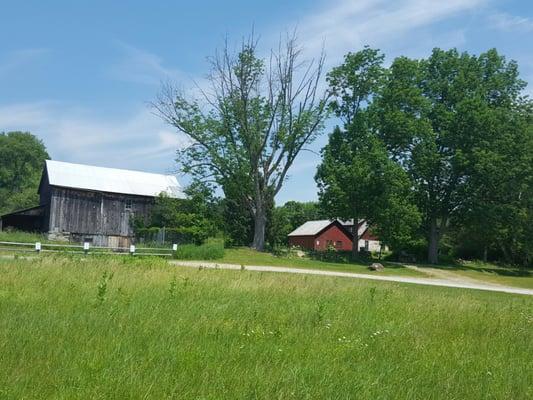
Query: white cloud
{"x": 507, "y": 22}
{"x": 139, "y": 141}
{"x": 348, "y": 25}
{"x": 140, "y": 66}
{"x": 18, "y": 58}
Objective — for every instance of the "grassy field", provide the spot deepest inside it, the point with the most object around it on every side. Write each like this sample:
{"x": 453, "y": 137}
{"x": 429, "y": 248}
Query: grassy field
{"x": 491, "y": 273}
{"x": 247, "y": 256}
{"x": 140, "y": 329}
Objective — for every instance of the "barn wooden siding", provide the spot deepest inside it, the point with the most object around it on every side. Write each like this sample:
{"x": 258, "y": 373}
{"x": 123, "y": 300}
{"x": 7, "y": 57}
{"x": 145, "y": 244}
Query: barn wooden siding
{"x": 78, "y": 215}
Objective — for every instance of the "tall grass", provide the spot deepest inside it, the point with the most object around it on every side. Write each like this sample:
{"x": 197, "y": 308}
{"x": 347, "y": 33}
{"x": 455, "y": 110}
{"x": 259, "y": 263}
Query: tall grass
{"x": 212, "y": 249}
{"x": 21, "y": 237}
{"x": 73, "y": 328}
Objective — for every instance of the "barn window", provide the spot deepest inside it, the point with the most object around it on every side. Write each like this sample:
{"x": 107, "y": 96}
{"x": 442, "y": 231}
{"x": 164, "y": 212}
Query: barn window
{"x": 338, "y": 244}
{"x": 128, "y": 206}
{"x": 366, "y": 245}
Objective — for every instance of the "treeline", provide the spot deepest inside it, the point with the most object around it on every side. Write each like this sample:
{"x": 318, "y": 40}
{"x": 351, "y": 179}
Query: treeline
{"x": 435, "y": 153}
{"x": 201, "y": 216}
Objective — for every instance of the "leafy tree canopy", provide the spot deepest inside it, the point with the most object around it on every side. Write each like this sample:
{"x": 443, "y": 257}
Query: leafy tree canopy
{"x": 22, "y": 157}
{"x": 439, "y": 119}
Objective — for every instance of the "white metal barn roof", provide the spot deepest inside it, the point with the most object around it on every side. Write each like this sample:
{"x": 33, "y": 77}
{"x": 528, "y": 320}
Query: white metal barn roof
{"x": 310, "y": 228}
{"x": 111, "y": 180}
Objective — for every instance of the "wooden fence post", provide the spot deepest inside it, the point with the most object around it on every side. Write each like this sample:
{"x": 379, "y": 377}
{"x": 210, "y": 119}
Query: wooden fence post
{"x": 38, "y": 247}
{"x": 132, "y": 249}
{"x": 86, "y": 246}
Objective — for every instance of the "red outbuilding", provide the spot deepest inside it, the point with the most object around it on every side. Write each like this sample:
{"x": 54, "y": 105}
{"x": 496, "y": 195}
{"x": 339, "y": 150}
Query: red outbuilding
{"x": 320, "y": 235}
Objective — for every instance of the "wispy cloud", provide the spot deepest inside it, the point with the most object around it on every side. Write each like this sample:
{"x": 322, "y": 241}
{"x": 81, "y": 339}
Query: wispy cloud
{"x": 347, "y": 25}
{"x": 507, "y": 22}
{"x": 15, "y": 59}
{"x": 140, "y": 66}
{"x": 139, "y": 141}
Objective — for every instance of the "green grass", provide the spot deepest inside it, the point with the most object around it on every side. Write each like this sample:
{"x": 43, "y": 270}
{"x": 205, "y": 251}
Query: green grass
{"x": 21, "y": 237}
{"x": 491, "y": 273}
{"x": 247, "y": 256}
{"x": 133, "y": 328}
{"x": 212, "y": 249}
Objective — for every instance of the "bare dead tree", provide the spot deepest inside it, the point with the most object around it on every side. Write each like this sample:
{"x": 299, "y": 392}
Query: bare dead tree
{"x": 250, "y": 124}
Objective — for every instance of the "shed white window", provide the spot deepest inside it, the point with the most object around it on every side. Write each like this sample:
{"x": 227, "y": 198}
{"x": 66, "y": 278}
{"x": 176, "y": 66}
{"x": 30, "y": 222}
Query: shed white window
{"x": 128, "y": 205}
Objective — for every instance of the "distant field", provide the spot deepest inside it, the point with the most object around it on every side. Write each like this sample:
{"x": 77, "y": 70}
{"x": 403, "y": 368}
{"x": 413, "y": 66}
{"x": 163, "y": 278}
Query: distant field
{"x": 247, "y": 256}
{"x": 490, "y": 273}
{"x": 140, "y": 329}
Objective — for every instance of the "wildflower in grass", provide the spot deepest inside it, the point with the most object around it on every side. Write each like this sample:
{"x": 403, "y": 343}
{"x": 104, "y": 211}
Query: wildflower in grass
{"x": 344, "y": 339}
{"x": 172, "y": 290}
{"x": 378, "y": 333}
{"x": 102, "y": 286}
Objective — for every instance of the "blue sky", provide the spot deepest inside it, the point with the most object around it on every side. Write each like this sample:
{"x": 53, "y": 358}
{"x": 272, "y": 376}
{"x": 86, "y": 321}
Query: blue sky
{"x": 80, "y": 74}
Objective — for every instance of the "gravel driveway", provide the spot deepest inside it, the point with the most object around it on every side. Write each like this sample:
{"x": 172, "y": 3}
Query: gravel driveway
{"x": 447, "y": 280}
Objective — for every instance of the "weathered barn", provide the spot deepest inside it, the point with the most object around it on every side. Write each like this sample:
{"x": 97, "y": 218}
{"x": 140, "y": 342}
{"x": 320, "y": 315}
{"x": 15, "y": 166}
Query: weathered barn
{"x": 323, "y": 234}
{"x": 95, "y": 204}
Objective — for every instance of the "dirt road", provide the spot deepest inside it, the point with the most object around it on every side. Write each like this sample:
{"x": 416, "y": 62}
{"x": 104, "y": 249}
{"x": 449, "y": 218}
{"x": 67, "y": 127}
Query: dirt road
{"x": 445, "y": 279}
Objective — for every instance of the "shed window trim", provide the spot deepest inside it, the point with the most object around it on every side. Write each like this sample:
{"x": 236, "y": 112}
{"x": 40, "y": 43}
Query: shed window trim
{"x": 128, "y": 205}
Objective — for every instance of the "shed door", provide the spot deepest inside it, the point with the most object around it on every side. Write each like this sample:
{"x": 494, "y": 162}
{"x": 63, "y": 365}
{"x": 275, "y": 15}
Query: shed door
{"x": 113, "y": 241}
{"x": 124, "y": 227}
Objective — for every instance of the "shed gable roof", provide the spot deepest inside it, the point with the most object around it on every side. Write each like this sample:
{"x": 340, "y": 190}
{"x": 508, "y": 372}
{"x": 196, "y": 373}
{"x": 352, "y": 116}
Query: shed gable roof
{"x": 112, "y": 180}
{"x": 311, "y": 228}
{"x": 314, "y": 228}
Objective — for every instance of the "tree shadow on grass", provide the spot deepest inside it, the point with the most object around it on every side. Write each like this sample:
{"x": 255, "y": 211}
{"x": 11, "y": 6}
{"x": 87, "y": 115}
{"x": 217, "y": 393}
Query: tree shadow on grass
{"x": 493, "y": 269}
{"x": 346, "y": 258}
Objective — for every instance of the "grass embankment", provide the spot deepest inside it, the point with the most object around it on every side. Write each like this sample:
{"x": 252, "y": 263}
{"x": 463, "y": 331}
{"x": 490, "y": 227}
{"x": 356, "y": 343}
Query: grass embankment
{"x": 247, "y": 256}
{"x": 138, "y": 328}
{"x": 486, "y": 272}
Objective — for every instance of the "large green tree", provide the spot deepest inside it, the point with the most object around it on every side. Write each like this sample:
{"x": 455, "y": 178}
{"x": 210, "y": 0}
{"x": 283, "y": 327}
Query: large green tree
{"x": 22, "y": 157}
{"x": 497, "y": 213}
{"x": 433, "y": 120}
{"x": 251, "y": 124}
{"x": 356, "y": 178}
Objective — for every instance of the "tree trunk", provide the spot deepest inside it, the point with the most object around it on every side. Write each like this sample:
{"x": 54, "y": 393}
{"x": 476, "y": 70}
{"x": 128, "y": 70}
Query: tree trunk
{"x": 433, "y": 248}
{"x": 259, "y": 229}
{"x": 355, "y": 239}
{"x": 485, "y": 251}
{"x": 506, "y": 254}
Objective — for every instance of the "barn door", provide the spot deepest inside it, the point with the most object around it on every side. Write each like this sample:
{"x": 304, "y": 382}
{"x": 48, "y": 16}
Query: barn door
{"x": 113, "y": 241}
{"x": 125, "y": 218}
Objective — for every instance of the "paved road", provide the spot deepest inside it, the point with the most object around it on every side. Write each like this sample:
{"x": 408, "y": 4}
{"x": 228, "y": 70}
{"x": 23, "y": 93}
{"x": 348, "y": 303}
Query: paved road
{"x": 456, "y": 282}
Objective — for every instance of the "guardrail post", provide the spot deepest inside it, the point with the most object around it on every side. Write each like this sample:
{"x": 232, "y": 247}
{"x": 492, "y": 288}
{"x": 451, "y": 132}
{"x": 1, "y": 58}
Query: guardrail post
{"x": 86, "y": 247}
{"x": 132, "y": 249}
{"x": 38, "y": 247}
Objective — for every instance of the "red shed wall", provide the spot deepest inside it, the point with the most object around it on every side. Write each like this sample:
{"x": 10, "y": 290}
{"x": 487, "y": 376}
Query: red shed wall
{"x": 305, "y": 242}
{"x": 367, "y": 235}
{"x": 334, "y": 234}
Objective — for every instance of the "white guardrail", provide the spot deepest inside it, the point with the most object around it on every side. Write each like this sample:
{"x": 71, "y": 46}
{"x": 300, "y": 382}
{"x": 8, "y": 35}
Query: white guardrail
{"x": 86, "y": 248}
